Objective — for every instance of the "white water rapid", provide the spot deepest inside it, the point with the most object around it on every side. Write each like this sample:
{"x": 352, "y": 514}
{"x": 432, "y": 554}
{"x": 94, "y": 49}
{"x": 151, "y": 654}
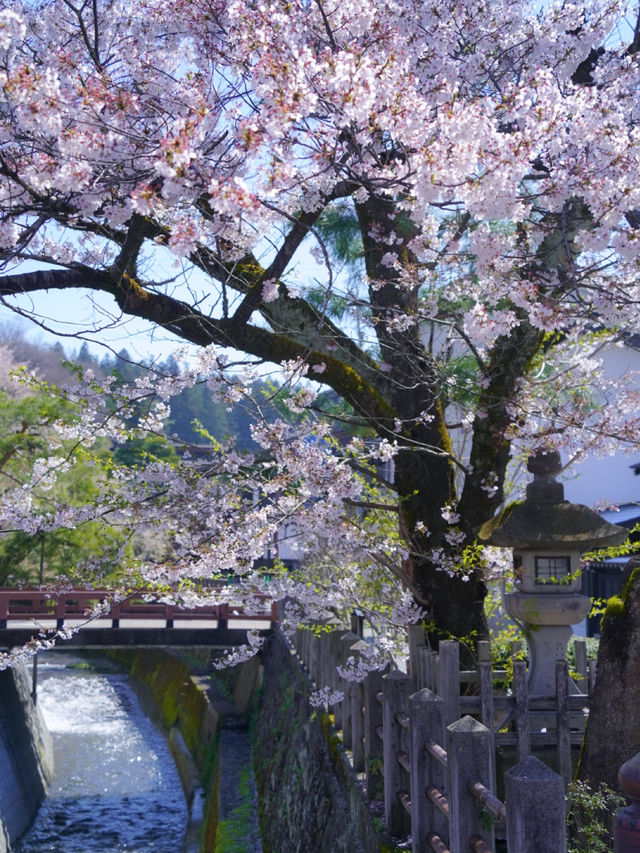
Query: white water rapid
{"x": 116, "y": 787}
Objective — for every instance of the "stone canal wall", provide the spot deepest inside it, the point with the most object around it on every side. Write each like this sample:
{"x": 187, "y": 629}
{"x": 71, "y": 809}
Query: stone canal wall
{"x": 26, "y": 756}
{"x": 310, "y": 798}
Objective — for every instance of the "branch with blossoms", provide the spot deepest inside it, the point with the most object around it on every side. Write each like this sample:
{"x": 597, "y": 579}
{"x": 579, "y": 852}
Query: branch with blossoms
{"x": 217, "y": 513}
{"x": 213, "y": 516}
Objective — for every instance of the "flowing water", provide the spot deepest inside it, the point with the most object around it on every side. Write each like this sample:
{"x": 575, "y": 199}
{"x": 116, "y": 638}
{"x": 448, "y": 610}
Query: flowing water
{"x": 116, "y": 787}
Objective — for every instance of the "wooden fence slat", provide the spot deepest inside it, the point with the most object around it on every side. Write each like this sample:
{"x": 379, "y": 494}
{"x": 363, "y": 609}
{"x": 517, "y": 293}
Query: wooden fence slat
{"x": 314, "y": 657}
{"x": 306, "y": 649}
{"x": 484, "y": 651}
{"x": 327, "y": 662}
{"x": 580, "y": 654}
{"x": 485, "y": 677}
{"x": 417, "y": 642}
{"x": 324, "y": 663}
{"x": 448, "y": 680}
{"x": 521, "y": 693}
{"x": 357, "y": 623}
{"x": 334, "y": 681}
{"x": 421, "y": 667}
{"x": 372, "y": 742}
{"x": 430, "y": 663}
{"x": 346, "y": 642}
{"x": 396, "y": 689}
{"x": 562, "y": 719}
{"x": 357, "y": 717}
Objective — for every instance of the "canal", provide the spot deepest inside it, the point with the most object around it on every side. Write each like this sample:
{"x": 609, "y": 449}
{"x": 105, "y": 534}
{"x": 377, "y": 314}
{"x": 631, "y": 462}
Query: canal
{"x": 115, "y": 787}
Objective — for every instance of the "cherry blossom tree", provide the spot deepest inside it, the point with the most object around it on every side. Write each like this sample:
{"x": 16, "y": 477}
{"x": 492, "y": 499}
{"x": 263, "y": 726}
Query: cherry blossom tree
{"x": 183, "y": 157}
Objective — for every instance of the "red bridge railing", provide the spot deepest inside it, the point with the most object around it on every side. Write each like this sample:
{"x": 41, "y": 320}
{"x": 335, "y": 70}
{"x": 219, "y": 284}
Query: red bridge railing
{"x": 40, "y": 605}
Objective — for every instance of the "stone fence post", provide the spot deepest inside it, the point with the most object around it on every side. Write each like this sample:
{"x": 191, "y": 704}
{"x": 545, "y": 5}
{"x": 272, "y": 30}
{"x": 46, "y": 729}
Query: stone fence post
{"x": 426, "y": 712}
{"x": 536, "y": 820}
{"x": 357, "y": 716}
{"x": 333, "y": 679}
{"x": 396, "y": 690}
{"x": 373, "y": 685}
{"x": 581, "y": 666}
{"x": 470, "y": 759}
{"x": 356, "y": 623}
{"x": 346, "y": 642}
{"x": 417, "y": 642}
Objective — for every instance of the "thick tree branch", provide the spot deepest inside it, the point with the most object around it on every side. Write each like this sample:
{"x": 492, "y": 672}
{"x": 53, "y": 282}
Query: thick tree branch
{"x": 508, "y": 361}
{"x": 188, "y": 323}
{"x": 293, "y": 316}
{"x": 276, "y": 268}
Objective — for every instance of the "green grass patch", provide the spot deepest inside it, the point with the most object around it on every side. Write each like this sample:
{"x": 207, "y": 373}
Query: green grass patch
{"x": 235, "y": 833}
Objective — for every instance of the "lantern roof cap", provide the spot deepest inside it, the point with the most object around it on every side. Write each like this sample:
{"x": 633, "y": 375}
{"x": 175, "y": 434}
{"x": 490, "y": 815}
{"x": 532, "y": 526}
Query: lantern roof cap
{"x": 544, "y": 520}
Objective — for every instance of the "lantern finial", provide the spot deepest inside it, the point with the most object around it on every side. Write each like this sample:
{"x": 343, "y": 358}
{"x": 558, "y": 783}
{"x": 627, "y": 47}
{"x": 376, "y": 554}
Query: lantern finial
{"x": 545, "y": 466}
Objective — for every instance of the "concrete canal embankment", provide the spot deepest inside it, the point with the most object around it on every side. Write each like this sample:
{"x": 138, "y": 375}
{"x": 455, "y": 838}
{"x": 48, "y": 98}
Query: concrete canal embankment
{"x": 262, "y": 771}
{"x": 196, "y": 711}
{"x": 309, "y": 799}
{"x": 26, "y": 756}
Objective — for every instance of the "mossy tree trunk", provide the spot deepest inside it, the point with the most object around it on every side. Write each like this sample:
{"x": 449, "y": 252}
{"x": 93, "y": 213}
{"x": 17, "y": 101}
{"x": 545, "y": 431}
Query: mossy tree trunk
{"x": 613, "y": 731}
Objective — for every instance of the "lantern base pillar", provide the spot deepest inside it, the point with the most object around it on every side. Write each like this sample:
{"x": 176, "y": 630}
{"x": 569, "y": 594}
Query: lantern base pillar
{"x": 548, "y": 620}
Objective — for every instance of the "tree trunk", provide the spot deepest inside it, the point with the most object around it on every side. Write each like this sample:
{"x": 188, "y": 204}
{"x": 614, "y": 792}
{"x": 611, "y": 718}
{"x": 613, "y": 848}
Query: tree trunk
{"x": 454, "y": 603}
{"x": 613, "y": 730}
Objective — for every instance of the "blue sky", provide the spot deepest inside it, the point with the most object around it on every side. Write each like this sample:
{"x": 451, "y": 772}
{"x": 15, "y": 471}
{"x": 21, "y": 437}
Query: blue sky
{"x": 72, "y": 317}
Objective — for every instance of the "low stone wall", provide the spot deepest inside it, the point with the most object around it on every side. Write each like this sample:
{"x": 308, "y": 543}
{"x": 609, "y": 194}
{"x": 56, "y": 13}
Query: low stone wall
{"x": 310, "y": 798}
{"x": 26, "y": 756}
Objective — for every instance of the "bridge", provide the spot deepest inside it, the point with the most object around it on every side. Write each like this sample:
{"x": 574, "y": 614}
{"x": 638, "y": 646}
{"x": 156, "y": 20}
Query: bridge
{"x": 26, "y": 613}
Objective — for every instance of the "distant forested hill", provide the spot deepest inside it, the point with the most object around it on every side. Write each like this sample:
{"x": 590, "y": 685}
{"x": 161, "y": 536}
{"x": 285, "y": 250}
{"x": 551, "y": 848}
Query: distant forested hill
{"x": 194, "y": 405}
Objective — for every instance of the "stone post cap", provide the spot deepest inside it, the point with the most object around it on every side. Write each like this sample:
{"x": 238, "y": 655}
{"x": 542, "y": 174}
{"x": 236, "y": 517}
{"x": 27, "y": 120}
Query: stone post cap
{"x": 545, "y": 466}
{"x": 531, "y": 769}
{"x": 467, "y": 724}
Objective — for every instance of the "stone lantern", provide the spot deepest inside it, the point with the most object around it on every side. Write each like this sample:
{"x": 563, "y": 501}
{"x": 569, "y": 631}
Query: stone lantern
{"x": 548, "y": 535}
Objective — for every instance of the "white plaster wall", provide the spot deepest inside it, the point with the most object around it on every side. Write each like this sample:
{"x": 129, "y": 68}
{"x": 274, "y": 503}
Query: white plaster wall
{"x": 610, "y": 479}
